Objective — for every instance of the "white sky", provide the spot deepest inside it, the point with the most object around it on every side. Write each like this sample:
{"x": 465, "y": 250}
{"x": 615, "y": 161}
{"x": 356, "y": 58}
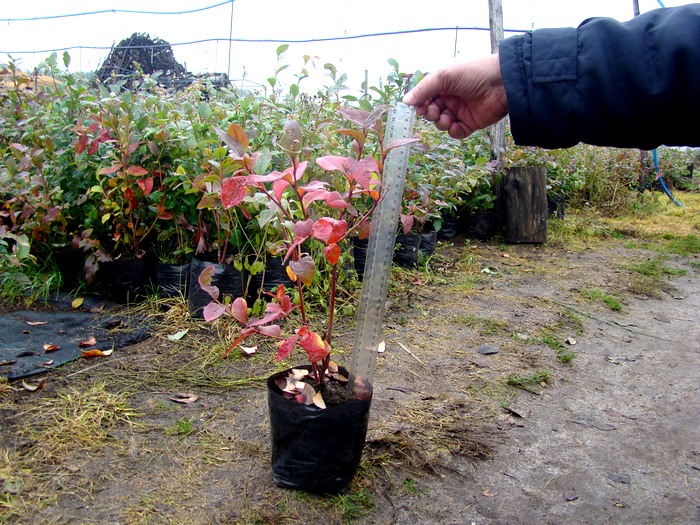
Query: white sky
{"x": 289, "y": 19}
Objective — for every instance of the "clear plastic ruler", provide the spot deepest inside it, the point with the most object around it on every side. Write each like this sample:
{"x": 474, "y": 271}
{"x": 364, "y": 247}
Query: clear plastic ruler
{"x": 380, "y": 254}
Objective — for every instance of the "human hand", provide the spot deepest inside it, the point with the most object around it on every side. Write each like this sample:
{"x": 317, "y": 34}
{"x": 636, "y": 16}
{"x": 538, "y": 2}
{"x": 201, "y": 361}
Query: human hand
{"x": 462, "y": 98}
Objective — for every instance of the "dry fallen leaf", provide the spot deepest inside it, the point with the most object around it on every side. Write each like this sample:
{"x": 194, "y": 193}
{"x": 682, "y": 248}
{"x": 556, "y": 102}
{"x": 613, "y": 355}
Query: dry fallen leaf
{"x": 184, "y": 398}
{"x": 77, "y": 302}
{"x": 96, "y": 352}
{"x": 318, "y": 400}
{"x": 489, "y": 493}
{"x": 51, "y": 348}
{"x": 36, "y": 323}
{"x": 381, "y": 347}
{"x": 298, "y": 373}
{"x": 248, "y": 350}
{"x": 33, "y": 388}
{"x": 91, "y": 341}
{"x": 178, "y": 335}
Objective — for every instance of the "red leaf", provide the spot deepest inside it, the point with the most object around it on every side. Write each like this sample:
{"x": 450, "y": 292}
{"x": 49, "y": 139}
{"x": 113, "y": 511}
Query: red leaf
{"x": 204, "y": 281}
{"x": 336, "y": 200}
{"x": 245, "y": 334}
{"x": 329, "y": 230}
{"x": 112, "y": 169}
{"x": 286, "y": 347}
{"x": 332, "y": 253}
{"x": 233, "y": 190}
{"x": 278, "y": 187}
{"x": 146, "y": 185}
{"x": 314, "y": 346}
{"x": 213, "y": 311}
{"x": 136, "y": 171}
{"x": 407, "y": 222}
{"x": 361, "y": 171}
{"x": 272, "y": 330}
{"x": 304, "y": 269}
{"x": 332, "y": 162}
{"x": 303, "y": 228}
{"x": 81, "y": 144}
{"x": 239, "y": 310}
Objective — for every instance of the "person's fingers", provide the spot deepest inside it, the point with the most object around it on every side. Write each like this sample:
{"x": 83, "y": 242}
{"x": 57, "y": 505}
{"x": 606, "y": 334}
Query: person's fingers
{"x": 424, "y": 92}
{"x": 433, "y": 113}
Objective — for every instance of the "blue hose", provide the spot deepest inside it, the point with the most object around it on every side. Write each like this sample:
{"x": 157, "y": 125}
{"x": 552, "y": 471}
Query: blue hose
{"x": 656, "y": 161}
{"x": 661, "y": 181}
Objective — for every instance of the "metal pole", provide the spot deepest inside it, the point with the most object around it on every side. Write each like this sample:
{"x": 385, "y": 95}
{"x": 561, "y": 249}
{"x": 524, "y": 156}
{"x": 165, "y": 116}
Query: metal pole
{"x": 497, "y": 132}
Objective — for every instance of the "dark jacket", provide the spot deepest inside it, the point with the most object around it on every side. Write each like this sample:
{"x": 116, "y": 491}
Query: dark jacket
{"x": 633, "y": 84}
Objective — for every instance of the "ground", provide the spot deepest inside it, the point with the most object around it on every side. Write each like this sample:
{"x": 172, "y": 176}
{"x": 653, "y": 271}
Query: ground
{"x": 521, "y": 384}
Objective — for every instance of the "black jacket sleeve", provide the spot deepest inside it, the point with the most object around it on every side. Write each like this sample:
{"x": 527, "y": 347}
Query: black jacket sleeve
{"x": 634, "y": 84}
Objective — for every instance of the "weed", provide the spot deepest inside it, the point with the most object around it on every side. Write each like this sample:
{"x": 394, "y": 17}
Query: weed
{"x": 596, "y": 294}
{"x": 181, "y": 427}
{"x": 656, "y": 268}
{"x": 526, "y": 383}
{"x": 685, "y": 246}
{"x": 565, "y": 357}
{"x": 410, "y": 486}
{"x": 353, "y": 505}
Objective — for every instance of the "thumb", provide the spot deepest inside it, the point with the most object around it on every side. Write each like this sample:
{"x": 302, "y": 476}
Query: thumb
{"x": 426, "y": 90}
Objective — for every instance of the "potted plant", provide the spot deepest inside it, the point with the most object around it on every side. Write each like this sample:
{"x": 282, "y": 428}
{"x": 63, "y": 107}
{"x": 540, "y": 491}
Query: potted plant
{"x": 317, "y": 426}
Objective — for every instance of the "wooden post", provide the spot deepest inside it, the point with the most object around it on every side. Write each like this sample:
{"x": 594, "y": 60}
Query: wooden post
{"x": 524, "y": 196}
{"x": 497, "y": 131}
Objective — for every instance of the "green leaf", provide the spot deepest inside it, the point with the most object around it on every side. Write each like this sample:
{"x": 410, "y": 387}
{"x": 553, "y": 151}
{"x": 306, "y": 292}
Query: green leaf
{"x": 204, "y": 110}
{"x": 294, "y": 90}
{"x": 281, "y": 49}
{"x": 66, "y": 59}
{"x": 178, "y": 335}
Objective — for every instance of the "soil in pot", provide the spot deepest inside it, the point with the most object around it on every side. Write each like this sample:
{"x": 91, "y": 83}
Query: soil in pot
{"x": 313, "y": 449}
{"x": 226, "y": 278}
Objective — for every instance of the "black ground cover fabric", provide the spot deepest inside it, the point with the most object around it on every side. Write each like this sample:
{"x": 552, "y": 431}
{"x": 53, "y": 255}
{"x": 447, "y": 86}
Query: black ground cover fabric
{"x": 23, "y": 334}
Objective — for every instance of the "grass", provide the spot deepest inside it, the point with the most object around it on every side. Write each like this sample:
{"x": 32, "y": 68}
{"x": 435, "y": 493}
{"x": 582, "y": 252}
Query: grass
{"x": 596, "y": 294}
{"x": 528, "y": 382}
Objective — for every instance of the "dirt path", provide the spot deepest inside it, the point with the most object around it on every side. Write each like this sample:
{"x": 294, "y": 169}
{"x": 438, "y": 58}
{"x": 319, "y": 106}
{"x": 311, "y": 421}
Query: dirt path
{"x": 610, "y": 436}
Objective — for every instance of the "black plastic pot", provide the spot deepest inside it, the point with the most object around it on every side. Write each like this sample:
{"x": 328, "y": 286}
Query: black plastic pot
{"x": 172, "y": 279}
{"x": 226, "y": 278}
{"x": 71, "y": 265}
{"x": 316, "y": 450}
{"x": 449, "y": 227}
{"x": 428, "y": 241}
{"x": 359, "y": 253}
{"x": 274, "y": 275}
{"x": 128, "y": 280}
{"x": 406, "y": 250}
{"x": 479, "y": 225}
{"x": 556, "y": 205}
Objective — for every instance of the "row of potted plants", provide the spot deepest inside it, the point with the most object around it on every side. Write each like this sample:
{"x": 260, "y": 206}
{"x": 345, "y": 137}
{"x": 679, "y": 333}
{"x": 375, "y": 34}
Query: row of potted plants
{"x": 97, "y": 174}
